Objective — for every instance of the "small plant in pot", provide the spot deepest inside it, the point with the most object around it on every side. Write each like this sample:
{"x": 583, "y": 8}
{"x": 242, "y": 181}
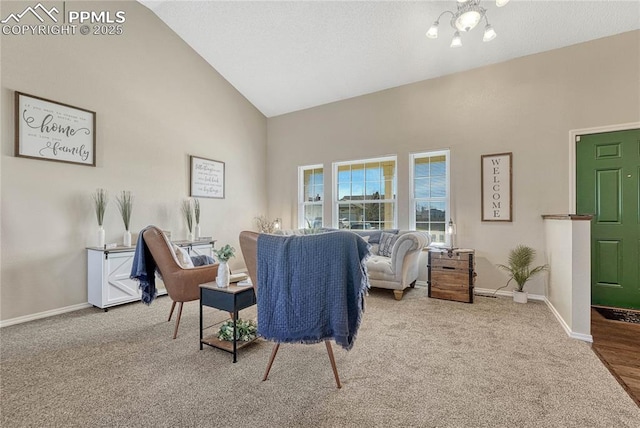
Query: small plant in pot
{"x": 223, "y": 255}
{"x": 520, "y": 271}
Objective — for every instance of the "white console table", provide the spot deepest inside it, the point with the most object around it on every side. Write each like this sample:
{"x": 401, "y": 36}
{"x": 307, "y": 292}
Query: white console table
{"x": 108, "y": 271}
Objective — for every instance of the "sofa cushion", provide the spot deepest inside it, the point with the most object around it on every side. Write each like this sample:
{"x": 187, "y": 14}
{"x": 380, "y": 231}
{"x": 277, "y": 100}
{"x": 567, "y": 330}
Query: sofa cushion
{"x": 386, "y": 244}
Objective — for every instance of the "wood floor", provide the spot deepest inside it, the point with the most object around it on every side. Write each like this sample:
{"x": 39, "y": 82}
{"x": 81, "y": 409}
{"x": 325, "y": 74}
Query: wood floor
{"x": 617, "y": 344}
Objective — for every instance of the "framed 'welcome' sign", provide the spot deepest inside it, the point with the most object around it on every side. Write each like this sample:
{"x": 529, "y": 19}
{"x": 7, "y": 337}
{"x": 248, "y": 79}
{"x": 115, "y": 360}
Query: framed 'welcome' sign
{"x": 49, "y": 130}
{"x": 496, "y": 187}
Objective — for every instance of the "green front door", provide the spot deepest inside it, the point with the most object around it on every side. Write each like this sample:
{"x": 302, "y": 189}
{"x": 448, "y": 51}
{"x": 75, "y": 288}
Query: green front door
{"x": 608, "y": 183}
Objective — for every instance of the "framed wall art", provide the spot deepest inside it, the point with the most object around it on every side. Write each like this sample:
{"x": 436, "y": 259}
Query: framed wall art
{"x": 207, "y": 178}
{"x": 49, "y": 130}
{"x": 496, "y": 171}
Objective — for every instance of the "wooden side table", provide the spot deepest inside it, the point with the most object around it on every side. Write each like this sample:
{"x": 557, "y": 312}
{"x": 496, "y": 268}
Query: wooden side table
{"x": 231, "y": 299}
{"x": 451, "y": 274}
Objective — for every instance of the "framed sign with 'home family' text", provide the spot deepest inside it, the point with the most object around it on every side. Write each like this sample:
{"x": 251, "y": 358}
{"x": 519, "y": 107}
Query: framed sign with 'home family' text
{"x": 53, "y": 131}
{"x": 496, "y": 187}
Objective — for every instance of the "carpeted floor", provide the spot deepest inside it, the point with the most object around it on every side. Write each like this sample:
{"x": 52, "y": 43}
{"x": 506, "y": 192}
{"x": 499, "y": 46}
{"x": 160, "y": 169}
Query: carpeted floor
{"x": 416, "y": 363}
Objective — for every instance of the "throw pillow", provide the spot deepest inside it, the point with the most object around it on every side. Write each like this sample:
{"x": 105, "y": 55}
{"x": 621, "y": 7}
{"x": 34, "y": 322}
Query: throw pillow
{"x": 183, "y": 257}
{"x": 387, "y": 240}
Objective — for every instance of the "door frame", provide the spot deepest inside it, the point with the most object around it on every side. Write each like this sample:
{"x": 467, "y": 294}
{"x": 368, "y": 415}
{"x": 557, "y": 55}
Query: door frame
{"x": 572, "y": 153}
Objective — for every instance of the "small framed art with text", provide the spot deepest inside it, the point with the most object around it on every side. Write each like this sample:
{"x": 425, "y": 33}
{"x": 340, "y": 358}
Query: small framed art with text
{"x": 207, "y": 178}
{"x": 49, "y": 130}
{"x": 496, "y": 185}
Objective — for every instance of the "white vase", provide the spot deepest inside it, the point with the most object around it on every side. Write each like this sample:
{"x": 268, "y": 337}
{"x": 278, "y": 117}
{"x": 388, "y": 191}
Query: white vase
{"x": 190, "y": 236}
{"x": 520, "y": 296}
{"x": 101, "y": 237}
{"x": 198, "y": 234}
{"x": 222, "y": 280}
{"x": 126, "y": 238}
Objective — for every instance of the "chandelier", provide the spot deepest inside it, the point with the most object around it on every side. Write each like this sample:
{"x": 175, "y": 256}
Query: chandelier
{"x": 467, "y": 16}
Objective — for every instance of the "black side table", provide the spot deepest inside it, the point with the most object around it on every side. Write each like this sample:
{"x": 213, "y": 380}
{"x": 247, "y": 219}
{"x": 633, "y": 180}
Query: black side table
{"x": 231, "y": 299}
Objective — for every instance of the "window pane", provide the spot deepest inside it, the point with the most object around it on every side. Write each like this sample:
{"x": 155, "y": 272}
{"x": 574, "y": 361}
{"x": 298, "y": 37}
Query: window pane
{"x": 421, "y": 167}
{"x": 438, "y": 166}
{"x": 373, "y": 171}
{"x": 357, "y": 190}
{"x": 357, "y": 173}
{"x": 318, "y": 177}
{"x": 388, "y": 192}
{"x": 313, "y": 216}
{"x": 319, "y": 192}
{"x": 372, "y": 189}
{"x": 438, "y": 187}
{"x": 344, "y": 174}
{"x": 421, "y": 188}
{"x": 344, "y": 191}
{"x": 422, "y": 212}
{"x": 437, "y": 211}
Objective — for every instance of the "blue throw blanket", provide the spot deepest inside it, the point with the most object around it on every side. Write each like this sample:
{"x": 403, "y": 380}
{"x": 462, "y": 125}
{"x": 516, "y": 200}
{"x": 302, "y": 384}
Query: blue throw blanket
{"x": 311, "y": 288}
{"x": 143, "y": 270}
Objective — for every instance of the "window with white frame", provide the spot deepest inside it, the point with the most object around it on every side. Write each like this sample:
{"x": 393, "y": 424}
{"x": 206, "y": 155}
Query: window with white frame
{"x": 365, "y": 194}
{"x": 310, "y": 196}
{"x": 429, "y": 194}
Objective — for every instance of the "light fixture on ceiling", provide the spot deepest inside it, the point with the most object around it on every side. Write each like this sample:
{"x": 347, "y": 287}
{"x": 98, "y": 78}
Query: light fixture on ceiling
{"x": 468, "y": 15}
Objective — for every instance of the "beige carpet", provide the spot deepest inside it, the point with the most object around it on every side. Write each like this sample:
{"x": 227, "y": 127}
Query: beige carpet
{"x": 416, "y": 363}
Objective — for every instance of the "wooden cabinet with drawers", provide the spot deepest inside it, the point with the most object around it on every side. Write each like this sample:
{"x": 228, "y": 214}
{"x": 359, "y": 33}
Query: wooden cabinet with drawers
{"x": 451, "y": 274}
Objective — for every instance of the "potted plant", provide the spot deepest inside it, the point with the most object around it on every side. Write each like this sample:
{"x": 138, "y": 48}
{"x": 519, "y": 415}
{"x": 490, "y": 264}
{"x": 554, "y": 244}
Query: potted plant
{"x": 246, "y": 330}
{"x": 125, "y": 204}
{"x": 100, "y": 200}
{"x": 223, "y": 255}
{"x": 520, "y": 271}
{"x": 188, "y": 217}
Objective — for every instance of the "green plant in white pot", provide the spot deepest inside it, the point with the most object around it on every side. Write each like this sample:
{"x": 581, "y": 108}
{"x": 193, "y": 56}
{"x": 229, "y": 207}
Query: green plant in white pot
{"x": 520, "y": 270}
{"x": 100, "y": 200}
{"x": 125, "y": 204}
{"x": 223, "y": 255}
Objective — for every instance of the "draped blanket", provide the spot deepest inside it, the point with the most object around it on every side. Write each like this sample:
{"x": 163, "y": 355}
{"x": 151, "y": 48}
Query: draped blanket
{"x": 143, "y": 270}
{"x": 311, "y": 288}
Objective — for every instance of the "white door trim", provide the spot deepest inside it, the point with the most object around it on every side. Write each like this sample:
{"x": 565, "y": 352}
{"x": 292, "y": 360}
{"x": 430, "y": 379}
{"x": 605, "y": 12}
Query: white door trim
{"x": 573, "y": 134}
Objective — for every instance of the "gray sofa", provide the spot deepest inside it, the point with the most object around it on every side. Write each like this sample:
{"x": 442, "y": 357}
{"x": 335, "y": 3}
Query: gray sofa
{"x": 400, "y": 270}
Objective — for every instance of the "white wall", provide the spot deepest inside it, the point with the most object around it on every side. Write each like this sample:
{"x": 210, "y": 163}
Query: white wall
{"x": 157, "y": 102}
{"x": 526, "y": 106}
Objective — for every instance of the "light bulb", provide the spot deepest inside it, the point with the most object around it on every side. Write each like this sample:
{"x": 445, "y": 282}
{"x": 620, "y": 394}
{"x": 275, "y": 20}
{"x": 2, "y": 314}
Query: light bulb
{"x": 489, "y": 33}
{"x": 501, "y": 3}
{"x": 456, "y": 42}
{"x": 433, "y": 31}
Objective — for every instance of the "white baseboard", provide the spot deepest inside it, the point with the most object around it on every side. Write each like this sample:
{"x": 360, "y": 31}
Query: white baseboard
{"x": 45, "y": 314}
{"x": 505, "y": 293}
{"x": 565, "y": 326}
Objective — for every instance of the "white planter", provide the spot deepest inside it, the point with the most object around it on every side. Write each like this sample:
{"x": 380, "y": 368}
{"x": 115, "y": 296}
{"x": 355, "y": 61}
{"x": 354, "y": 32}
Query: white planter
{"x": 198, "y": 234}
{"x": 520, "y": 296}
{"x": 222, "y": 280}
{"x": 126, "y": 238}
{"x": 190, "y": 236}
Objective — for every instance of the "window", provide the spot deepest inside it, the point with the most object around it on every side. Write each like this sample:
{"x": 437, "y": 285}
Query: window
{"x": 365, "y": 194}
{"x": 310, "y": 196}
{"x": 429, "y": 194}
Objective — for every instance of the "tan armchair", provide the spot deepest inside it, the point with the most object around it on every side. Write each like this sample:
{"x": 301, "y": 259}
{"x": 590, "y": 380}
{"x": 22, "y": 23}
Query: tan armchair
{"x": 182, "y": 284}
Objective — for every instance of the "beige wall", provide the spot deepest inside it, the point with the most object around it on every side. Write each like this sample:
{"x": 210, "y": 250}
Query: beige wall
{"x": 526, "y": 106}
{"x": 157, "y": 102}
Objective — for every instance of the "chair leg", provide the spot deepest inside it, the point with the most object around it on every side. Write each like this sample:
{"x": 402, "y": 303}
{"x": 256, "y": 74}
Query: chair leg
{"x": 274, "y": 351}
{"x": 175, "y": 332}
{"x": 333, "y": 363}
{"x": 173, "y": 305}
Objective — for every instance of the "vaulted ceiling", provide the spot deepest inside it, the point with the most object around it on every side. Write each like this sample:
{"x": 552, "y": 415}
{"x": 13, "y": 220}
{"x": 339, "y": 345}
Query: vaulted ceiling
{"x": 285, "y": 56}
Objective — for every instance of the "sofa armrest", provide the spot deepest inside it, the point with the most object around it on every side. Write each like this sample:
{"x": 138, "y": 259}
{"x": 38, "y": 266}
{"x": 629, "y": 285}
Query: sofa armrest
{"x": 405, "y": 255}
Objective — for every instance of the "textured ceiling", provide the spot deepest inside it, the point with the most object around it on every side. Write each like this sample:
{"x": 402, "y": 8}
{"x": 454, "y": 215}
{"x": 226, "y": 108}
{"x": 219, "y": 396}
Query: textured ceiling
{"x": 288, "y": 56}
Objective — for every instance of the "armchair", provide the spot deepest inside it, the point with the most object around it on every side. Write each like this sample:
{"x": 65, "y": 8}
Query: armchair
{"x": 182, "y": 284}
{"x": 400, "y": 270}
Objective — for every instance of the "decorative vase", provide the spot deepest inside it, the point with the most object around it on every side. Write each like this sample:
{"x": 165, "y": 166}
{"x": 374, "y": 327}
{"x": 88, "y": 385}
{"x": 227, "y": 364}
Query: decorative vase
{"x": 101, "y": 237}
{"x": 520, "y": 296}
{"x": 222, "y": 280}
{"x": 190, "y": 236}
{"x": 198, "y": 234}
{"x": 127, "y": 238}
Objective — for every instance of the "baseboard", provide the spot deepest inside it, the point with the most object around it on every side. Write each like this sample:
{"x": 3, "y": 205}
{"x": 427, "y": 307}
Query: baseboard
{"x": 504, "y": 293}
{"x": 580, "y": 336}
{"x": 45, "y": 314}
{"x": 422, "y": 283}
